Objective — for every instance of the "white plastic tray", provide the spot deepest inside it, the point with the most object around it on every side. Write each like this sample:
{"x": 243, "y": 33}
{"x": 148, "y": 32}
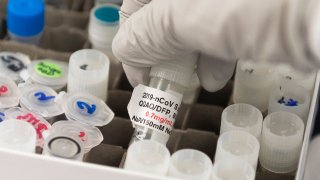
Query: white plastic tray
{"x": 18, "y": 166}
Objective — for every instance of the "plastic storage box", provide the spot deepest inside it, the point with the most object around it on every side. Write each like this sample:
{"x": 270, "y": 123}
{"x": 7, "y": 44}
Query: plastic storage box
{"x": 197, "y": 126}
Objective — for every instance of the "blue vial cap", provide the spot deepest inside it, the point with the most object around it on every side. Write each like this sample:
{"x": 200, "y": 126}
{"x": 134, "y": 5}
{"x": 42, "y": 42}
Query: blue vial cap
{"x": 25, "y": 17}
{"x": 108, "y": 14}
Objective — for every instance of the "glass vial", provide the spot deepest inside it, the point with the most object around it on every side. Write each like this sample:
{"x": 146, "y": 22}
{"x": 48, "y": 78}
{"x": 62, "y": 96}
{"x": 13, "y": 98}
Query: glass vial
{"x": 172, "y": 77}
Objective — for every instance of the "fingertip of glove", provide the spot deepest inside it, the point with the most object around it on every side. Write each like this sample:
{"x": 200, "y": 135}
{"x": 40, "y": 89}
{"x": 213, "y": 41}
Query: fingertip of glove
{"x": 213, "y": 86}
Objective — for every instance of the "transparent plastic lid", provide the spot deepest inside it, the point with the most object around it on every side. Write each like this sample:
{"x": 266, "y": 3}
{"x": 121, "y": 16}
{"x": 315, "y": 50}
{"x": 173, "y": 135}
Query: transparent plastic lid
{"x": 12, "y": 63}
{"x": 9, "y": 93}
{"x": 63, "y": 146}
{"x": 41, "y": 126}
{"x": 90, "y": 136}
{"x": 48, "y": 72}
{"x": 86, "y": 109}
{"x": 39, "y": 99}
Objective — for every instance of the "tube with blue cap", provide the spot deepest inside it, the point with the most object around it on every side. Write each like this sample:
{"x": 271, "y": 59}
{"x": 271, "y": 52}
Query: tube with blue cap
{"x": 25, "y": 20}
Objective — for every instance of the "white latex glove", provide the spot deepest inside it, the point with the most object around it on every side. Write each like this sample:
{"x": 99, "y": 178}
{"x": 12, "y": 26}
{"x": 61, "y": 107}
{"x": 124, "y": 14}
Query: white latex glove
{"x": 219, "y": 32}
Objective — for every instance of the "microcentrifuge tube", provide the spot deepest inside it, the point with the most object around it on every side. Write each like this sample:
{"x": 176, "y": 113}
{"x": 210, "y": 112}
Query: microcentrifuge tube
{"x": 149, "y": 157}
{"x": 190, "y": 164}
{"x": 63, "y": 146}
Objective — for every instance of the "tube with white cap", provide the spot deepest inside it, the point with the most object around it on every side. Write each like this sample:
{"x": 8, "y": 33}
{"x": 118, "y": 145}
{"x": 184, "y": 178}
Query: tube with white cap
{"x": 47, "y": 72}
{"x": 103, "y": 26}
{"x": 40, "y": 100}
{"x": 281, "y": 141}
{"x": 190, "y": 164}
{"x": 253, "y": 83}
{"x": 90, "y": 136}
{"x": 238, "y": 145}
{"x": 288, "y": 74}
{"x": 63, "y": 146}
{"x": 41, "y": 126}
{"x": 292, "y": 98}
{"x": 243, "y": 117}
{"x": 89, "y": 73}
{"x": 84, "y": 112}
{"x": 9, "y": 93}
{"x": 18, "y": 135}
{"x": 232, "y": 169}
{"x": 12, "y": 63}
{"x": 149, "y": 157}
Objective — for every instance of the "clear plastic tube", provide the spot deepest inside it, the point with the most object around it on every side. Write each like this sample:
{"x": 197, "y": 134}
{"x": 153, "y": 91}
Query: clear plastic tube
{"x": 292, "y": 98}
{"x": 238, "y": 145}
{"x": 142, "y": 132}
{"x": 190, "y": 164}
{"x": 243, "y": 117}
{"x": 281, "y": 141}
{"x": 149, "y": 157}
{"x": 63, "y": 146}
{"x": 232, "y": 169}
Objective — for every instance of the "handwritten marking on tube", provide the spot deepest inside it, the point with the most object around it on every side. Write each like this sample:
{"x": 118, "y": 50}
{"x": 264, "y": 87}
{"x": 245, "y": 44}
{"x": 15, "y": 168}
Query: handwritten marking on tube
{"x": 90, "y": 108}
{"x": 43, "y": 97}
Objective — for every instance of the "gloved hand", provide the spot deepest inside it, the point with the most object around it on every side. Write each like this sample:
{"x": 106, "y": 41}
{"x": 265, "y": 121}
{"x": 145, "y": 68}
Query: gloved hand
{"x": 217, "y": 33}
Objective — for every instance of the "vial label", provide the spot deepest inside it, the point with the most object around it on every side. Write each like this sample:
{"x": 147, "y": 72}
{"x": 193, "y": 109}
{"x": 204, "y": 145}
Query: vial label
{"x": 13, "y": 63}
{"x": 153, "y": 108}
{"x": 48, "y": 69}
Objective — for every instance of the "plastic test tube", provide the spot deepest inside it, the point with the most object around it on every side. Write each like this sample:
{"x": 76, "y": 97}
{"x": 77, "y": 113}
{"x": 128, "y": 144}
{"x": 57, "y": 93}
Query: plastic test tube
{"x": 41, "y": 126}
{"x": 238, "y": 145}
{"x": 292, "y": 98}
{"x": 89, "y": 73}
{"x": 253, "y": 83}
{"x": 89, "y": 135}
{"x": 17, "y": 135}
{"x": 190, "y": 164}
{"x": 103, "y": 26}
{"x": 9, "y": 93}
{"x": 288, "y": 74}
{"x": 25, "y": 20}
{"x": 281, "y": 140}
{"x": 87, "y": 112}
{"x": 149, "y": 157}
{"x": 47, "y": 72}
{"x": 86, "y": 109}
{"x": 12, "y": 63}
{"x": 242, "y": 117}
{"x": 63, "y": 146}
{"x": 231, "y": 169}
{"x": 40, "y": 100}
